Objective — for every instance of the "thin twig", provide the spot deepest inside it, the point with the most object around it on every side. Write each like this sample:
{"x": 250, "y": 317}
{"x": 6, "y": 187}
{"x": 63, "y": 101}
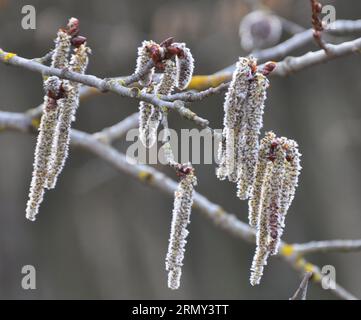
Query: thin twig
{"x": 45, "y": 58}
{"x": 118, "y": 130}
{"x": 191, "y": 96}
{"x": 316, "y": 8}
{"x": 302, "y": 289}
{"x": 328, "y": 246}
{"x": 136, "y": 76}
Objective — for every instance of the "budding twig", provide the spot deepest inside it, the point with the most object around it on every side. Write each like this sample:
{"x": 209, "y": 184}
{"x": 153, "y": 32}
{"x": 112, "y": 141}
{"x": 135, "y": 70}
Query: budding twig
{"x": 176, "y": 62}
{"x": 317, "y": 25}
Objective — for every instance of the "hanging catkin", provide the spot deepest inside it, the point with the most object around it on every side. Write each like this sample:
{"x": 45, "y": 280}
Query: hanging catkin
{"x": 276, "y": 179}
{"x": 52, "y": 101}
{"x": 185, "y": 66}
{"x": 251, "y": 130}
{"x": 181, "y": 217}
{"x": 165, "y": 87}
{"x": 234, "y": 120}
{"x": 243, "y": 112}
{"x": 78, "y": 63}
{"x": 142, "y": 61}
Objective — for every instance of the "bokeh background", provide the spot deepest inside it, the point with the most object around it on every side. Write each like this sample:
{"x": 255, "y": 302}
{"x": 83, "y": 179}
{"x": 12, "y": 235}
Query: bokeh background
{"x": 102, "y": 235}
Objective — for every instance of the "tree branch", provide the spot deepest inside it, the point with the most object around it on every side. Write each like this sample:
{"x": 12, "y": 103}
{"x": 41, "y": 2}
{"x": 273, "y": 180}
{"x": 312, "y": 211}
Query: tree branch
{"x": 101, "y": 84}
{"x": 328, "y": 246}
{"x": 214, "y": 212}
{"x": 294, "y": 64}
{"x": 116, "y": 131}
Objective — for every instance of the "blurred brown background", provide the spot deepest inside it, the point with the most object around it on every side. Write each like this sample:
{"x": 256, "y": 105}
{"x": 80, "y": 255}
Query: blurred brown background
{"x": 101, "y": 235}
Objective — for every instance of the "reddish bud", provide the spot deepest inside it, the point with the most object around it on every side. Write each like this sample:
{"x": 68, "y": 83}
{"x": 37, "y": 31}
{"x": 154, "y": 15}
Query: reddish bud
{"x": 268, "y": 68}
{"x": 78, "y": 41}
{"x": 253, "y": 67}
{"x": 73, "y": 27}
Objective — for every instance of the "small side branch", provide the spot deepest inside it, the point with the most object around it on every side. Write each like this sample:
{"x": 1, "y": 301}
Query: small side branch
{"x": 328, "y": 246}
{"x": 317, "y": 25}
{"x": 118, "y": 130}
{"x": 301, "y": 292}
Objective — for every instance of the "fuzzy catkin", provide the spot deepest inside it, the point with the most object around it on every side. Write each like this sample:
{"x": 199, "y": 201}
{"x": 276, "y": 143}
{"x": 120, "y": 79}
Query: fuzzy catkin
{"x": 262, "y": 253}
{"x": 289, "y": 185}
{"x": 268, "y": 229}
{"x": 185, "y": 66}
{"x": 145, "y": 110}
{"x": 249, "y": 145}
{"x": 233, "y": 120}
{"x": 272, "y": 200}
{"x": 44, "y": 144}
{"x": 165, "y": 87}
{"x": 221, "y": 171}
{"x": 61, "y": 51}
{"x": 78, "y": 63}
{"x": 276, "y": 179}
{"x": 142, "y": 60}
{"x": 180, "y": 219}
{"x": 243, "y": 112}
{"x": 254, "y": 202}
{"x": 42, "y": 156}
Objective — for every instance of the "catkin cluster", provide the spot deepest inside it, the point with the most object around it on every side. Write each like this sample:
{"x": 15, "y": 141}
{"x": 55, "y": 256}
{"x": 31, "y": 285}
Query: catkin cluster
{"x": 276, "y": 179}
{"x": 243, "y": 112}
{"x": 176, "y": 63}
{"x": 180, "y": 219}
{"x": 60, "y": 103}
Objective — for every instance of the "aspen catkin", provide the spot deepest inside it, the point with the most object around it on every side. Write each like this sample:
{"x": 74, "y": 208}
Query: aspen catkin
{"x": 233, "y": 120}
{"x": 142, "y": 60}
{"x": 52, "y": 102}
{"x": 276, "y": 179}
{"x": 185, "y": 66}
{"x": 78, "y": 63}
{"x": 43, "y": 148}
{"x": 251, "y": 131}
{"x": 165, "y": 87}
{"x": 181, "y": 217}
